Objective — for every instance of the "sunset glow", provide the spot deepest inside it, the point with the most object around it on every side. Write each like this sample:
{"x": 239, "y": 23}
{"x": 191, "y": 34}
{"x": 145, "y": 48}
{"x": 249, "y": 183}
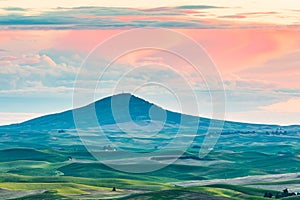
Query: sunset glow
{"x": 255, "y": 46}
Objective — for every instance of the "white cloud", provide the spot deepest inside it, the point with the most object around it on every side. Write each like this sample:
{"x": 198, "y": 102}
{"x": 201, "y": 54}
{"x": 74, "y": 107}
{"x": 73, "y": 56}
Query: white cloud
{"x": 264, "y": 117}
{"x": 290, "y": 106}
{"x": 285, "y": 112}
{"x": 34, "y": 72}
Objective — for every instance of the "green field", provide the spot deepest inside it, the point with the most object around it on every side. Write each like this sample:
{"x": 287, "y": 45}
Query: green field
{"x": 28, "y": 173}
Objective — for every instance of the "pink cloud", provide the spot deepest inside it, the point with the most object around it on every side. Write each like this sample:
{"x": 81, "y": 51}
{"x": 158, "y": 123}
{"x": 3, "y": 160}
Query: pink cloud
{"x": 29, "y": 60}
{"x": 233, "y": 50}
{"x": 20, "y": 42}
{"x": 49, "y": 61}
{"x": 234, "y": 16}
{"x": 8, "y": 58}
{"x": 84, "y": 40}
{"x": 158, "y": 9}
{"x": 260, "y": 13}
{"x": 129, "y": 18}
{"x": 237, "y": 49}
{"x": 248, "y": 15}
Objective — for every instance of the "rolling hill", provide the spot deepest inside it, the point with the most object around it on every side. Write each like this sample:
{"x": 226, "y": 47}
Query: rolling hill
{"x": 129, "y": 108}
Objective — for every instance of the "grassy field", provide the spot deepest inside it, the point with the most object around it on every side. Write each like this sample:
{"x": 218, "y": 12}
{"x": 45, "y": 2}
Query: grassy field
{"x": 45, "y": 158}
{"x": 47, "y": 173}
{"x": 77, "y": 188}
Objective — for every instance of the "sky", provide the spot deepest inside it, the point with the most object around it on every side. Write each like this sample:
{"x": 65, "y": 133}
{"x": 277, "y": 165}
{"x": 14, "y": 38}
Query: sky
{"x": 255, "y": 46}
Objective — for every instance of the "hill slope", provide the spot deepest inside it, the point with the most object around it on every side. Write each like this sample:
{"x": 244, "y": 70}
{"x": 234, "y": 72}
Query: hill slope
{"x": 139, "y": 112}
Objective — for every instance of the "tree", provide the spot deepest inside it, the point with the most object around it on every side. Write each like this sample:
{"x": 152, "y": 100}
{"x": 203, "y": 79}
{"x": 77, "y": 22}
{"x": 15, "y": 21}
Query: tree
{"x": 268, "y": 195}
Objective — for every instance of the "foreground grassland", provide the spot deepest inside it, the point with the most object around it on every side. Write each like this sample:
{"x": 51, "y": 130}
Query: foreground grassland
{"x": 87, "y": 188}
{"x": 27, "y": 173}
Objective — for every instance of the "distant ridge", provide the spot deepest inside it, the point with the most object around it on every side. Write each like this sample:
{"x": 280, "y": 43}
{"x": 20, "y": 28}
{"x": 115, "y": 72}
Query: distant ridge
{"x": 138, "y": 110}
